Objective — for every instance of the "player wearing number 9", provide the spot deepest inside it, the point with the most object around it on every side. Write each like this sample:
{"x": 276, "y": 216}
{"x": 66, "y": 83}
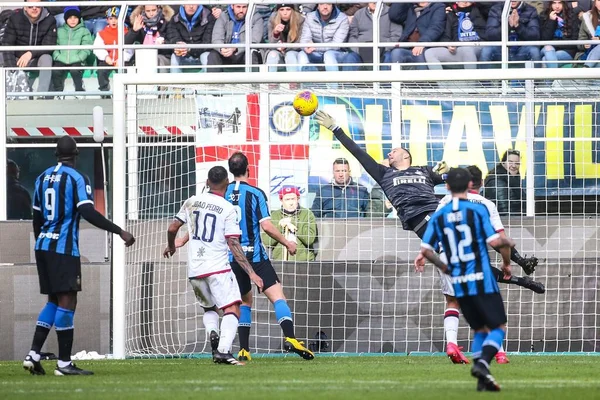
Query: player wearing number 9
{"x": 464, "y": 230}
{"x": 62, "y": 196}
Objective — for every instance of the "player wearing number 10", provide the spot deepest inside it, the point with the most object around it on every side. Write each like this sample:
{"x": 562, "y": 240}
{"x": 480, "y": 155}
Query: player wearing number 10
{"x": 62, "y": 195}
{"x": 463, "y": 228}
{"x": 213, "y": 228}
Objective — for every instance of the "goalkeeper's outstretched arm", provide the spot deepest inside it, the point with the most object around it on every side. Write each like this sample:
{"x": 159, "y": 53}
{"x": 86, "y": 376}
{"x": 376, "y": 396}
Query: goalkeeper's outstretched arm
{"x": 372, "y": 167}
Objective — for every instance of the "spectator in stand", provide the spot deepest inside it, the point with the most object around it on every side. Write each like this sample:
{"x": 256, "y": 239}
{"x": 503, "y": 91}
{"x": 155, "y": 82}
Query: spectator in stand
{"x": 464, "y": 23}
{"x": 327, "y": 24}
{"x": 193, "y": 24}
{"x": 523, "y": 25}
{"x": 590, "y": 30}
{"x": 285, "y": 26}
{"x": 296, "y": 223}
{"x": 503, "y": 185}
{"x": 342, "y": 198}
{"x": 361, "y": 31}
{"x": 109, "y": 58}
{"x": 73, "y": 33}
{"x": 580, "y": 7}
{"x": 558, "y": 23}
{"x": 18, "y": 199}
{"x": 30, "y": 26}
{"x": 422, "y": 22}
{"x": 230, "y": 28}
{"x": 149, "y": 27}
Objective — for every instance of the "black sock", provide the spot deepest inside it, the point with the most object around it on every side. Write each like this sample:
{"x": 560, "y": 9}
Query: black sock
{"x": 488, "y": 353}
{"x": 39, "y": 338}
{"x": 515, "y": 256}
{"x": 244, "y": 337}
{"x": 287, "y": 327}
{"x": 65, "y": 344}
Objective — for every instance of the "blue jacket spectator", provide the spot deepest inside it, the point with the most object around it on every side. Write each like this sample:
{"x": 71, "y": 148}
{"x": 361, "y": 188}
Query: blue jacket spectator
{"x": 342, "y": 198}
{"x": 463, "y": 24}
{"x": 523, "y": 25}
{"x": 422, "y": 22}
{"x": 559, "y": 22}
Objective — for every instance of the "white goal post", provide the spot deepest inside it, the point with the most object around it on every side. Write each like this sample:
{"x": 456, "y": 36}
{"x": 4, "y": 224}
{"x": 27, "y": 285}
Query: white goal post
{"x": 401, "y": 311}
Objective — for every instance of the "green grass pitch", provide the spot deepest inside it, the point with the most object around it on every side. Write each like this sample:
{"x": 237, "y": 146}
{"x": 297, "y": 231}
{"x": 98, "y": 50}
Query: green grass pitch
{"x": 390, "y": 377}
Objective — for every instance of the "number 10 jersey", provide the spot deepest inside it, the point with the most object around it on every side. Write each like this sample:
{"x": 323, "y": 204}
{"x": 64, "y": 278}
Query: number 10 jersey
{"x": 210, "y": 221}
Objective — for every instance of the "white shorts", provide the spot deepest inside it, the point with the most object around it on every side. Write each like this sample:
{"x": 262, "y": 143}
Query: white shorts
{"x": 219, "y": 290}
{"x": 445, "y": 281}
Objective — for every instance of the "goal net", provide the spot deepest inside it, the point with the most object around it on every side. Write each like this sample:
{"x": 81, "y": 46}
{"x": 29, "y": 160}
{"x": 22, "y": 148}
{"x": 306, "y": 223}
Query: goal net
{"x": 352, "y": 288}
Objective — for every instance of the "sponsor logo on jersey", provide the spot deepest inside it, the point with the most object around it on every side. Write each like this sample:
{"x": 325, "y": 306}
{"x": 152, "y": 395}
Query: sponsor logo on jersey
{"x": 478, "y": 276}
{"x": 49, "y": 235}
{"x": 402, "y": 180}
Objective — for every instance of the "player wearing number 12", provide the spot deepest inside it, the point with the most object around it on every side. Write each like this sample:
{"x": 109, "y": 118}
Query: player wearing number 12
{"x": 62, "y": 195}
{"x": 213, "y": 227}
{"x": 464, "y": 230}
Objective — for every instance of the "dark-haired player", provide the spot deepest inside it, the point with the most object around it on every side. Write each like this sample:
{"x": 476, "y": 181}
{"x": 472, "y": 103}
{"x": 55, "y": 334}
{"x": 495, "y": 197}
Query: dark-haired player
{"x": 62, "y": 195}
{"x": 212, "y": 225}
{"x": 251, "y": 203}
{"x": 463, "y": 228}
{"x": 452, "y": 307}
{"x": 410, "y": 189}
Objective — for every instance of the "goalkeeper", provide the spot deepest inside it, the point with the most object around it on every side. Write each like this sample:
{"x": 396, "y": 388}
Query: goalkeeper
{"x": 410, "y": 189}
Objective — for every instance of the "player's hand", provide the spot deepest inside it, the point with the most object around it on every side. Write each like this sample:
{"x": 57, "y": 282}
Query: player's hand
{"x": 180, "y": 242}
{"x": 169, "y": 251}
{"x": 441, "y": 168}
{"x": 127, "y": 238}
{"x": 506, "y": 269}
{"x": 257, "y": 281}
{"x": 291, "y": 247}
{"x": 325, "y": 120}
{"x": 420, "y": 263}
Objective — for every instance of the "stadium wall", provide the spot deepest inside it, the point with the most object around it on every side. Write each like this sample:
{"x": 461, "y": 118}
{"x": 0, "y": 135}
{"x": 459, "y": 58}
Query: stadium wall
{"x": 373, "y": 302}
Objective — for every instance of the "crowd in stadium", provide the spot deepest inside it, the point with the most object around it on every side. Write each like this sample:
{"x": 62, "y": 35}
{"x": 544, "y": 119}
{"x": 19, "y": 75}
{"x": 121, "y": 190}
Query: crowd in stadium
{"x": 551, "y": 21}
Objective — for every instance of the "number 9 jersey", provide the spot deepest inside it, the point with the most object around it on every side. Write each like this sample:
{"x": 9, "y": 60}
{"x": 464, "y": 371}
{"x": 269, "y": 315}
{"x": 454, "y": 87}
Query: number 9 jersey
{"x": 210, "y": 220}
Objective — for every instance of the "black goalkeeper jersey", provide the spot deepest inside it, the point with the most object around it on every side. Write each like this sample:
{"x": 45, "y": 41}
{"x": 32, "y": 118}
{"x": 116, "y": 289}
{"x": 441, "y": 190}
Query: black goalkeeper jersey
{"x": 410, "y": 191}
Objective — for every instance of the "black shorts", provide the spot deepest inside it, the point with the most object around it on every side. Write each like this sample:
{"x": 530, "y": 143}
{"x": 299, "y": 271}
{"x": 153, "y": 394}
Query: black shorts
{"x": 264, "y": 269}
{"x": 58, "y": 273}
{"x": 486, "y": 310}
{"x": 419, "y": 223}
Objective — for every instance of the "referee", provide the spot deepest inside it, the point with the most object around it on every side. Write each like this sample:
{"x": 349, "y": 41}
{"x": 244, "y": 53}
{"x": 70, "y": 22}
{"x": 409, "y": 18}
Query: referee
{"x": 62, "y": 196}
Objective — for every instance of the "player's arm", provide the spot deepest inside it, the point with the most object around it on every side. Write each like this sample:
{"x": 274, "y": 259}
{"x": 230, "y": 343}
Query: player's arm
{"x": 373, "y": 168}
{"x": 240, "y": 257}
{"x": 38, "y": 222}
{"x": 496, "y": 240}
{"x": 431, "y": 255}
{"x": 272, "y": 231}
{"x": 89, "y": 213}
{"x": 171, "y": 235}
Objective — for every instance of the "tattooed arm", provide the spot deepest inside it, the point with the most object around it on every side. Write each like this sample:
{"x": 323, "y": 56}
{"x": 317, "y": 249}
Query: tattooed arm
{"x": 238, "y": 254}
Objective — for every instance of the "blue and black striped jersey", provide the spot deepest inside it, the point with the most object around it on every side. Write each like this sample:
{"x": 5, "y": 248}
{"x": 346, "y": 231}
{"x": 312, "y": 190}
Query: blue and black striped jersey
{"x": 59, "y": 190}
{"x": 252, "y": 208}
{"x": 464, "y": 229}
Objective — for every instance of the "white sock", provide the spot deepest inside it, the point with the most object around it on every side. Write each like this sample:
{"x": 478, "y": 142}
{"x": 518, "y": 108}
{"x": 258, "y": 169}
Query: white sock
{"x": 62, "y": 364}
{"x": 451, "y": 325}
{"x": 36, "y": 357}
{"x": 211, "y": 321}
{"x": 229, "y": 326}
{"x": 501, "y": 349}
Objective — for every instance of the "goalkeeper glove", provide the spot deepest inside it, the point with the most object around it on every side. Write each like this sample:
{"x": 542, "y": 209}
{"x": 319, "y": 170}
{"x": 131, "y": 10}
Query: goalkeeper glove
{"x": 441, "y": 168}
{"x": 325, "y": 120}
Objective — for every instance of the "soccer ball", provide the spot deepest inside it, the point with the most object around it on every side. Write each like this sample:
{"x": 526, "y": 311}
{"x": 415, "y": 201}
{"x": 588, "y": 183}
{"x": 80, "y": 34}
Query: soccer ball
{"x": 306, "y": 103}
